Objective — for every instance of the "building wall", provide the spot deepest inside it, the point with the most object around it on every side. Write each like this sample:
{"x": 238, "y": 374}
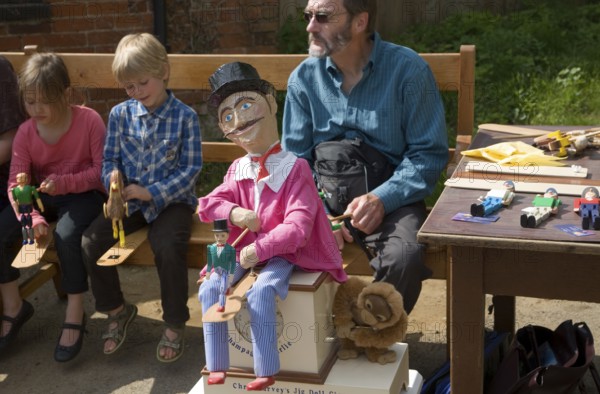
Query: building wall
{"x": 75, "y": 26}
{"x": 231, "y": 26}
{"x": 190, "y": 26}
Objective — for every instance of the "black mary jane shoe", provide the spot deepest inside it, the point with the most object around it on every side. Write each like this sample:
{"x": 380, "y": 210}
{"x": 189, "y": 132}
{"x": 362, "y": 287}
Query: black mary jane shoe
{"x": 16, "y": 323}
{"x": 62, "y": 354}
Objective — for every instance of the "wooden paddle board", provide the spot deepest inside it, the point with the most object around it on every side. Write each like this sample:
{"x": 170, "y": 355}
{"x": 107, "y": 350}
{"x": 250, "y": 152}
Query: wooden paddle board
{"x": 30, "y": 255}
{"x": 117, "y": 254}
{"x": 233, "y": 303}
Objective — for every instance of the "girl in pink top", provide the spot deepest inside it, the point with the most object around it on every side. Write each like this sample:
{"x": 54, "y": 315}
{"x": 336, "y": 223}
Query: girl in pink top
{"x": 60, "y": 147}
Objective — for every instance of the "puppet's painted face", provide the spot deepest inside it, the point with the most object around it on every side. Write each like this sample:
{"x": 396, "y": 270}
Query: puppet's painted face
{"x": 221, "y": 237}
{"x": 248, "y": 119}
{"x": 590, "y": 194}
{"x": 22, "y": 178}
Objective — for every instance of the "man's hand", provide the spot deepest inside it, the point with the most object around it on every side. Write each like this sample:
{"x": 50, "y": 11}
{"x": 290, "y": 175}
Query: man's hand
{"x": 248, "y": 257}
{"x": 136, "y": 192}
{"x": 367, "y": 212}
{"x": 243, "y": 218}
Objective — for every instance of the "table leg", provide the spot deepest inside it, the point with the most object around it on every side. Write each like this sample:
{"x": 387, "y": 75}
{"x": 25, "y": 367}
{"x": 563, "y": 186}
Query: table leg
{"x": 466, "y": 320}
{"x": 504, "y": 313}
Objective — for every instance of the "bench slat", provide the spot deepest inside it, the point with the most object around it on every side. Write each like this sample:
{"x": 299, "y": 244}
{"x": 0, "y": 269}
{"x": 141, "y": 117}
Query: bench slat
{"x": 454, "y": 72}
{"x": 93, "y": 70}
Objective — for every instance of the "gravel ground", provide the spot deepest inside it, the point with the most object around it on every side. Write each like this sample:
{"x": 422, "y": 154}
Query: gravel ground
{"x": 29, "y": 367}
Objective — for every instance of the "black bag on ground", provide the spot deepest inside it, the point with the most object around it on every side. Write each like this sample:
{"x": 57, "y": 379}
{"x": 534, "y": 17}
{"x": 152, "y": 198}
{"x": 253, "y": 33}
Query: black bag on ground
{"x": 544, "y": 361}
{"x": 347, "y": 169}
{"x": 496, "y": 344}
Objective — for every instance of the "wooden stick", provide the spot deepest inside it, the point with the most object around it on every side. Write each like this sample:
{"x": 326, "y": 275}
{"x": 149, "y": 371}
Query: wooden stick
{"x": 238, "y": 239}
{"x": 520, "y": 187}
{"x": 242, "y": 235}
{"x": 521, "y": 131}
{"x": 525, "y": 171}
{"x": 527, "y": 131}
{"x": 341, "y": 217}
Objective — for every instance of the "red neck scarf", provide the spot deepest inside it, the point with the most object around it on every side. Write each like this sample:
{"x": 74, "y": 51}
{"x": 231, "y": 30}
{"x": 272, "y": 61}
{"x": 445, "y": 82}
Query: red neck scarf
{"x": 262, "y": 169}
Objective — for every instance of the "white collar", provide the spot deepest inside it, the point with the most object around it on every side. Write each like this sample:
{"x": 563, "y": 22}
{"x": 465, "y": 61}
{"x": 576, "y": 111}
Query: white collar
{"x": 279, "y": 165}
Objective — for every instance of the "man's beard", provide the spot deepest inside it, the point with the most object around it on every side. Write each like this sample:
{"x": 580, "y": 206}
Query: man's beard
{"x": 328, "y": 48}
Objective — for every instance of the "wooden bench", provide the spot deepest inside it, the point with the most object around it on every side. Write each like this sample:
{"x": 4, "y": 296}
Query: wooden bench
{"x": 454, "y": 72}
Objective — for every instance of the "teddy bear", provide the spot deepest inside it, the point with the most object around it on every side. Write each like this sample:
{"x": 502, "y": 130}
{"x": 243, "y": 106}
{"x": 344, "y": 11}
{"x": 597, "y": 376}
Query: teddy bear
{"x": 368, "y": 318}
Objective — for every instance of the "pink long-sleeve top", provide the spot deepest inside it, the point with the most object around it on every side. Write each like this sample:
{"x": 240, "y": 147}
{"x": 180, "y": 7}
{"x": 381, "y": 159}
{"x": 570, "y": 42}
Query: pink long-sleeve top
{"x": 294, "y": 225}
{"x": 73, "y": 163}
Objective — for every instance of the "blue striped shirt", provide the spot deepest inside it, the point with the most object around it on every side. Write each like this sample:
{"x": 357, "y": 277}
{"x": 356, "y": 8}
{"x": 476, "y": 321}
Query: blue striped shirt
{"x": 395, "y": 107}
{"x": 160, "y": 150}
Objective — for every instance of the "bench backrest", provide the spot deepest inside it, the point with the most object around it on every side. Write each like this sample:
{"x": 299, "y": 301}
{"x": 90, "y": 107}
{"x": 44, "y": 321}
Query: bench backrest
{"x": 454, "y": 72}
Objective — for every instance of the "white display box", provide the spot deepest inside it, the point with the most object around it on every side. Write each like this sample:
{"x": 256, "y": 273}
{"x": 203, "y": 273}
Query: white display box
{"x": 358, "y": 376}
{"x": 304, "y": 326}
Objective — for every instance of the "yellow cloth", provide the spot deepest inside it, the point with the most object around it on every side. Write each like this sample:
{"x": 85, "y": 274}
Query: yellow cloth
{"x": 516, "y": 153}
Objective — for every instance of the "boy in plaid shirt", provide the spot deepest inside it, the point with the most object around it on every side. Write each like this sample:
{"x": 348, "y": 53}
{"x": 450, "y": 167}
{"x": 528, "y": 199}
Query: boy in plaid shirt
{"x": 154, "y": 140}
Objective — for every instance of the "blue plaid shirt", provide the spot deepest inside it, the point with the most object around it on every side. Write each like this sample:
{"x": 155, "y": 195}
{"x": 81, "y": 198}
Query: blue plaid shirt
{"x": 395, "y": 107}
{"x": 160, "y": 150}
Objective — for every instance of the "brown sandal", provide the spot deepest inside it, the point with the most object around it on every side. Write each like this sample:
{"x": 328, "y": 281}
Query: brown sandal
{"x": 176, "y": 344}
{"x": 119, "y": 333}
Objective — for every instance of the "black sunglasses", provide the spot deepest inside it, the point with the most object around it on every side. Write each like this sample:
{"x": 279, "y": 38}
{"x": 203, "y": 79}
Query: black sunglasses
{"x": 320, "y": 17}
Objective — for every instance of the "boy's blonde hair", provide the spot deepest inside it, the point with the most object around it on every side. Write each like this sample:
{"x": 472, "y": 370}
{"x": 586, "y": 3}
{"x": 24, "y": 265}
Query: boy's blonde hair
{"x": 140, "y": 53}
{"x": 46, "y": 75}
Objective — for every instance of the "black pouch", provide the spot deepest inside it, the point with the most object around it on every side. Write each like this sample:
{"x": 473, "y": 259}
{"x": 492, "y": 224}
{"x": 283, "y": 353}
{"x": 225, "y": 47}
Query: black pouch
{"x": 347, "y": 169}
{"x": 542, "y": 361}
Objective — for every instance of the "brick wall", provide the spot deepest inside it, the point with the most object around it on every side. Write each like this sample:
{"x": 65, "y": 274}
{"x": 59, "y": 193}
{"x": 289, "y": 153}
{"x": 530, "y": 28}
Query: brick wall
{"x": 231, "y": 26}
{"x": 75, "y": 26}
{"x": 192, "y": 26}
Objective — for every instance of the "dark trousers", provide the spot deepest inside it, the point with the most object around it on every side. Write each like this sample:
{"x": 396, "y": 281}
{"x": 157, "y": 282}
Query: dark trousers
{"x": 168, "y": 235}
{"x": 399, "y": 259}
{"x": 10, "y": 235}
{"x": 73, "y": 213}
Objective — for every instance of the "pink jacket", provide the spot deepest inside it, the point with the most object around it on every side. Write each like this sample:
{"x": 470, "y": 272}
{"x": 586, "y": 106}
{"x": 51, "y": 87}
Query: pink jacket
{"x": 74, "y": 162}
{"x": 294, "y": 225}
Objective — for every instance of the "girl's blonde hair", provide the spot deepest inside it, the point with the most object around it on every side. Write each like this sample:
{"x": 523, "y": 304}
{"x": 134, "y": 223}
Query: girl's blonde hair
{"x": 140, "y": 53}
{"x": 46, "y": 75}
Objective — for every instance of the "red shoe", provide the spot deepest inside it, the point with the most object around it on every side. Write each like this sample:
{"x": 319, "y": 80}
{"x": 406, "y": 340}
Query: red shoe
{"x": 216, "y": 378}
{"x": 260, "y": 384}
{"x": 221, "y": 309}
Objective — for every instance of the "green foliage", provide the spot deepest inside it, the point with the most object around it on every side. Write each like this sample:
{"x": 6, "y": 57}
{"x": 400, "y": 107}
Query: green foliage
{"x": 569, "y": 98}
{"x": 211, "y": 176}
{"x": 536, "y": 65}
{"x": 292, "y": 36}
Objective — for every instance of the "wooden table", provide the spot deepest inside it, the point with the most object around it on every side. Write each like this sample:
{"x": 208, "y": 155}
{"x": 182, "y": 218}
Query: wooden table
{"x": 506, "y": 260}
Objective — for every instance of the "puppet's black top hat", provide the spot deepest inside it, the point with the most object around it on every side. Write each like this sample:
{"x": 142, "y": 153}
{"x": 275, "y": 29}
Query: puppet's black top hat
{"x": 235, "y": 77}
{"x": 220, "y": 225}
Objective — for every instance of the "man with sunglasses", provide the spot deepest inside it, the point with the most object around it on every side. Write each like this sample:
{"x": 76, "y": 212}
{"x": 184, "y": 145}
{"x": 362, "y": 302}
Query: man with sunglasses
{"x": 355, "y": 85}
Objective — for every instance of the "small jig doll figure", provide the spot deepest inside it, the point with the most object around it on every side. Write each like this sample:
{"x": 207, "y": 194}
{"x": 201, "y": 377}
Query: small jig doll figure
{"x": 23, "y": 195}
{"x": 543, "y": 206}
{"x": 587, "y": 206}
{"x": 221, "y": 259}
{"x": 494, "y": 200}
